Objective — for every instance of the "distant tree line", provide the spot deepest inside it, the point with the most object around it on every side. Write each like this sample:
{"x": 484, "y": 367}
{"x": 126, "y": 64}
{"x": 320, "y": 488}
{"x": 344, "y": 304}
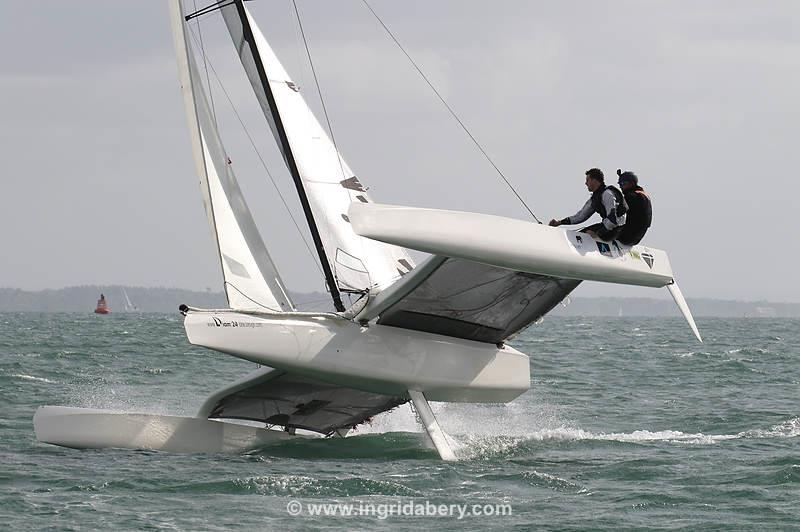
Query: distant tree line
{"x": 84, "y": 299}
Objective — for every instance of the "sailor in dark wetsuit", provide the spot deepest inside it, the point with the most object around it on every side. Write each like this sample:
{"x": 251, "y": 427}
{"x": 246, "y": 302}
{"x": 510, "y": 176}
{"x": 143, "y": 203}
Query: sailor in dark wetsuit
{"x": 640, "y": 209}
{"x": 607, "y": 201}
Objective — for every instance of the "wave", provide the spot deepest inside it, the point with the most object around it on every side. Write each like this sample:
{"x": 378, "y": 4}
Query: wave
{"x": 470, "y": 446}
{"x": 500, "y": 430}
{"x": 787, "y": 429}
{"x": 32, "y": 378}
{"x": 553, "y": 482}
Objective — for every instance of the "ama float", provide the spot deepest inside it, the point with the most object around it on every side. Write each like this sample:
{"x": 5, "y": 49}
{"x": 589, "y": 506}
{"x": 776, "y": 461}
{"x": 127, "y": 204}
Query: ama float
{"x": 434, "y": 331}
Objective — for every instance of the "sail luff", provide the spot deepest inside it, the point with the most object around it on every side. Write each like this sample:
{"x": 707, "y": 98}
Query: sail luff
{"x": 251, "y": 278}
{"x": 195, "y": 136}
{"x": 288, "y": 155}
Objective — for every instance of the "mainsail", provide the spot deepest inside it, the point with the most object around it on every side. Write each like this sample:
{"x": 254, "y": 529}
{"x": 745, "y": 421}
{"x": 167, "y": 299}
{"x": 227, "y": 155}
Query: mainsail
{"x": 325, "y": 182}
{"x": 251, "y": 279}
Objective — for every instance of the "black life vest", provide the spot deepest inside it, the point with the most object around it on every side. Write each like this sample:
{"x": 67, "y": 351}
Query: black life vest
{"x": 597, "y": 202}
{"x": 640, "y": 216}
{"x": 640, "y": 209}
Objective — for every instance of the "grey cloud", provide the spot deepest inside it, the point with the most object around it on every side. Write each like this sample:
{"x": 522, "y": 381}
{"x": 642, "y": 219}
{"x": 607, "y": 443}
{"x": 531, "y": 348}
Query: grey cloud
{"x": 699, "y": 98}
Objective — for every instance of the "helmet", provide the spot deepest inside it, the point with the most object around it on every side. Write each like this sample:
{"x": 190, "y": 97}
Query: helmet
{"x": 627, "y": 177}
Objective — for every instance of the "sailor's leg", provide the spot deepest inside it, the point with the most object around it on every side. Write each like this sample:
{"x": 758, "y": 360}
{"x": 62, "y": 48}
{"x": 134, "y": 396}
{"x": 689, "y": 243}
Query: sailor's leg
{"x": 435, "y": 432}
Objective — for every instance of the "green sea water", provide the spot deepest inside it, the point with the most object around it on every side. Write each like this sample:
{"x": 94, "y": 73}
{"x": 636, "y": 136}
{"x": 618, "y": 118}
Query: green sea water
{"x": 630, "y": 424}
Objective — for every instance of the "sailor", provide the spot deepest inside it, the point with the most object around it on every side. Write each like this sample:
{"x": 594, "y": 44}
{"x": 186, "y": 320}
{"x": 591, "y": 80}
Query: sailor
{"x": 607, "y": 201}
{"x": 640, "y": 209}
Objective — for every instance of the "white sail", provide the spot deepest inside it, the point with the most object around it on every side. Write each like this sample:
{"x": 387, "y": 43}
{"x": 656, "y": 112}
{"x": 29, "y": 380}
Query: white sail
{"x": 357, "y": 263}
{"x": 251, "y": 279}
{"x": 128, "y": 305}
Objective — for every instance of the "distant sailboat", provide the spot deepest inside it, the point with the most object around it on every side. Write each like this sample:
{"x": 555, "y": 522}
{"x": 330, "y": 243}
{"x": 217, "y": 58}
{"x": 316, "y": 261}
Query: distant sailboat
{"x": 129, "y": 307}
{"x": 102, "y": 306}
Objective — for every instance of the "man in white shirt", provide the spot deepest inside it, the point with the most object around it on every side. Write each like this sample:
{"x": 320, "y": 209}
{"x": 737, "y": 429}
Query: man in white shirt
{"x": 605, "y": 200}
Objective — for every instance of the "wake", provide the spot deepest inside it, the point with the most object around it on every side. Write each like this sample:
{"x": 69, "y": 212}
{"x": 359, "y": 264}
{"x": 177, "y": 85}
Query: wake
{"x": 504, "y": 432}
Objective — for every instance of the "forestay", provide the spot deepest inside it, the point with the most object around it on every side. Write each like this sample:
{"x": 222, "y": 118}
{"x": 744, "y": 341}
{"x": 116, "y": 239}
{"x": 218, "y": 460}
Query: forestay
{"x": 357, "y": 263}
{"x": 251, "y": 279}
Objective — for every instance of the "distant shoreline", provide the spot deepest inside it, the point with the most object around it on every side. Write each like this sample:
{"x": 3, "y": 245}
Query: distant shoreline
{"x": 84, "y": 298}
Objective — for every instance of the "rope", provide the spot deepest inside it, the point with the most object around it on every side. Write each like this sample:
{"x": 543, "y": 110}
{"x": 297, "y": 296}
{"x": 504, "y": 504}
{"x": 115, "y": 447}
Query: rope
{"x": 319, "y": 91}
{"x": 452, "y": 112}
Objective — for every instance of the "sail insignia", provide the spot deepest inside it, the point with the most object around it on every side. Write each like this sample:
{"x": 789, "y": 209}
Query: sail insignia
{"x": 353, "y": 184}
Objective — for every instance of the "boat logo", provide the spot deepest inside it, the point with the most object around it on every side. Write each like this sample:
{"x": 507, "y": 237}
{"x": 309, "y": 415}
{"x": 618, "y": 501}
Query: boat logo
{"x": 352, "y": 184}
{"x": 217, "y": 322}
{"x": 649, "y": 259}
{"x": 604, "y": 248}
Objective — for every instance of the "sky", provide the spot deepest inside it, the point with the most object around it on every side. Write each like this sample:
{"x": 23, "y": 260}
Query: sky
{"x": 698, "y": 98}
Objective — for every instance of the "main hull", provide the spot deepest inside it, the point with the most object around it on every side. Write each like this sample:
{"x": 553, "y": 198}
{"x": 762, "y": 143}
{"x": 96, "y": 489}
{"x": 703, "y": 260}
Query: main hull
{"x": 374, "y": 358}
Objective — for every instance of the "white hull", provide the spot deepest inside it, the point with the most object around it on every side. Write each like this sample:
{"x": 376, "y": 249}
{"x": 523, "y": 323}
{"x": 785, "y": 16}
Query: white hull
{"x": 514, "y": 244}
{"x": 86, "y": 428}
{"x": 489, "y": 278}
{"x": 374, "y": 358}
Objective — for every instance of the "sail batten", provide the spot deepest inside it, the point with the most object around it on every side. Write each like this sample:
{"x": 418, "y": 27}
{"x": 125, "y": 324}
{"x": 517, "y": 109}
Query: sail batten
{"x": 325, "y": 182}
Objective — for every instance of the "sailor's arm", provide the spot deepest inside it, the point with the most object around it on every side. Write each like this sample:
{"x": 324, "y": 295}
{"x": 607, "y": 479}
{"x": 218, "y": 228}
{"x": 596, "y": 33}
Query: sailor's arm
{"x": 579, "y": 217}
{"x": 610, "y": 222}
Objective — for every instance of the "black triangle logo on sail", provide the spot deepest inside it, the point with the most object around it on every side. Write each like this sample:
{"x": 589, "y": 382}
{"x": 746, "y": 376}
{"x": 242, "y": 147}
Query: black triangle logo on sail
{"x": 649, "y": 259}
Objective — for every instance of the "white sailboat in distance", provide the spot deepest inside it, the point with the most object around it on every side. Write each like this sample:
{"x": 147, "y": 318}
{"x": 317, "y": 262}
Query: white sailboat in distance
{"x": 434, "y": 331}
{"x": 129, "y": 307}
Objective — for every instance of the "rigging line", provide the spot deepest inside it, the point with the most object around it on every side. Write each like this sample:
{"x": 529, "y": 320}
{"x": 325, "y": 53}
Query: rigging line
{"x": 312, "y": 301}
{"x": 205, "y": 65}
{"x": 319, "y": 91}
{"x": 325, "y": 112}
{"x": 263, "y": 163}
{"x": 206, "y": 10}
{"x": 248, "y": 38}
{"x": 228, "y": 283}
{"x": 453, "y": 113}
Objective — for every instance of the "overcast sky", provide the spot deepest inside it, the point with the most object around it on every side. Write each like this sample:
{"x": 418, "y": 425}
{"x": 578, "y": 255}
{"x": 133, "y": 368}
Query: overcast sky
{"x": 699, "y": 98}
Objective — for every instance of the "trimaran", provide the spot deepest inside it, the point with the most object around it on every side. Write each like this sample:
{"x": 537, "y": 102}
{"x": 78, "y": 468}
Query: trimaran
{"x": 435, "y": 331}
